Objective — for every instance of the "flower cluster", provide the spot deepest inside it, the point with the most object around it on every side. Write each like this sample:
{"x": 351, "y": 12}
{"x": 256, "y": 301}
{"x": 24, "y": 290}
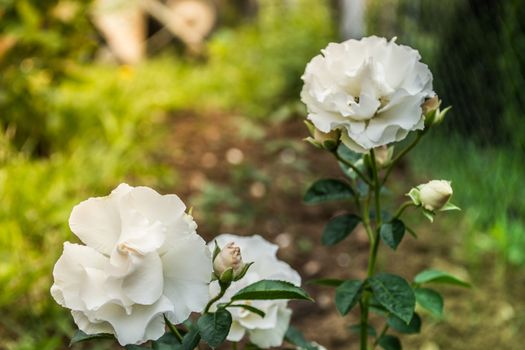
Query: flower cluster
{"x": 142, "y": 261}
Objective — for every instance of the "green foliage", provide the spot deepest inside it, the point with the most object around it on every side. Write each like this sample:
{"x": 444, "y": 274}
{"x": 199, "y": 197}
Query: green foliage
{"x": 430, "y": 300}
{"x": 81, "y": 337}
{"x": 395, "y": 294}
{"x": 392, "y": 233}
{"x": 214, "y": 327}
{"x": 389, "y": 342}
{"x": 338, "y": 228}
{"x": 271, "y": 289}
{"x": 435, "y": 276}
{"x": 295, "y": 337}
{"x": 328, "y": 190}
{"x": 347, "y": 295}
{"x": 413, "y": 327}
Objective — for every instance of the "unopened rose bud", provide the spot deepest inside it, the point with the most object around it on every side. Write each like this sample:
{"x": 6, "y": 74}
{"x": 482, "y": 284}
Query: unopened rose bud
{"x": 327, "y": 141}
{"x": 383, "y": 155}
{"x": 431, "y": 104}
{"x": 228, "y": 257}
{"x": 435, "y": 194}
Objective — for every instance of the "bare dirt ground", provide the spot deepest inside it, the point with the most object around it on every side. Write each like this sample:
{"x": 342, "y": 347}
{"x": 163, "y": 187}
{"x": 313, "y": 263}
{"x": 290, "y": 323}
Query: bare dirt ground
{"x": 266, "y": 170}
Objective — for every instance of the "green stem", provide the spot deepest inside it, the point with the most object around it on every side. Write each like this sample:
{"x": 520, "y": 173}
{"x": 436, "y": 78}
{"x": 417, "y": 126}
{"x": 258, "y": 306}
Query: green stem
{"x": 394, "y": 161}
{"x": 402, "y": 209}
{"x": 173, "y": 329}
{"x": 354, "y": 168}
{"x": 383, "y": 332}
{"x": 214, "y": 299}
{"x": 374, "y": 246}
{"x": 234, "y": 345}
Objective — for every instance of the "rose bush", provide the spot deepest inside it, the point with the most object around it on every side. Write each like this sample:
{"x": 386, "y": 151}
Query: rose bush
{"x": 265, "y": 331}
{"x": 371, "y": 89}
{"x": 135, "y": 265}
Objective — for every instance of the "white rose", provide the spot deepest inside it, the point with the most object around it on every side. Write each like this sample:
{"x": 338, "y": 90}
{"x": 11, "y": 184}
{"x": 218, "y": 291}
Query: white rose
{"x": 268, "y": 331}
{"x": 435, "y": 194}
{"x": 371, "y": 89}
{"x": 142, "y": 258}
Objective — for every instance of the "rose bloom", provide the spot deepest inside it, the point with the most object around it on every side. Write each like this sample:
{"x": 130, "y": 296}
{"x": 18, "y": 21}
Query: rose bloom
{"x": 142, "y": 258}
{"x": 371, "y": 89}
{"x": 268, "y": 331}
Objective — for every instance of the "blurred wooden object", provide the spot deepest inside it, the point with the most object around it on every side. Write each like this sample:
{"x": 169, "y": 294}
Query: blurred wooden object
{"x": 352, "y": 18}
{"x": 123, "y": 25}
{"x": 189, "y": 20}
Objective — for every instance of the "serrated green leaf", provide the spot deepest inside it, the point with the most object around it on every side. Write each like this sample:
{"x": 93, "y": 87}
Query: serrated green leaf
{"x": 81, "y": 337}
{"x": 392, "y": 233}
{"x": 436, "y": 276}
{"x": 338, "y": 228}
{"x": 295, "y": 337}
{"x": 430, "y": 300}
{"x": 271, "y": 289}
{"x": 394, "y": 293}
{"x": 329, "y": 282}
{"x": 389, "y": 342}
{"x": 413, "y": 327}
{"x": 328, "y": 190}
{"x": 214, "y": 327}
{"x": 249, "y": 308}
{"x": 347, "y": 295}
{"x": 356, "y": 328}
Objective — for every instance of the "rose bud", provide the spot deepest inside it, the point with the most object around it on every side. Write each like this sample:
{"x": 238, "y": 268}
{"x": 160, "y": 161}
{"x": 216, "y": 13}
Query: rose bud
{"x": 229, "y": 257}
{"x": 435, "y": 194}
{"x": 383, "y": 155}
{"x": 431, "y": 104}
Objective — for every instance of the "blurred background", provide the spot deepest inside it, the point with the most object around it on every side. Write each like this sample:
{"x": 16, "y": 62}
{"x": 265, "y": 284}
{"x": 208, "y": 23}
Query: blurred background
{"x": 201, "y": 98}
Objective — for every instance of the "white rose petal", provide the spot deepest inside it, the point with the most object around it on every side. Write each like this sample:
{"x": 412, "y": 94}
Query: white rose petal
{"x": 142, "y": 259}
{"x": 268, "y": 331}
{"x": 371, "y": 89}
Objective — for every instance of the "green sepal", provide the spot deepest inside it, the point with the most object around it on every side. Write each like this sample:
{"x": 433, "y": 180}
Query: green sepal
{"x": 216, "y": 250}
{"x": 429, "y": 214}
{"x": 449, "y": 206}
{"x": 243, "y": 272}
{"x": 414, "y": 196}
{"x": 226, "y": 277}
